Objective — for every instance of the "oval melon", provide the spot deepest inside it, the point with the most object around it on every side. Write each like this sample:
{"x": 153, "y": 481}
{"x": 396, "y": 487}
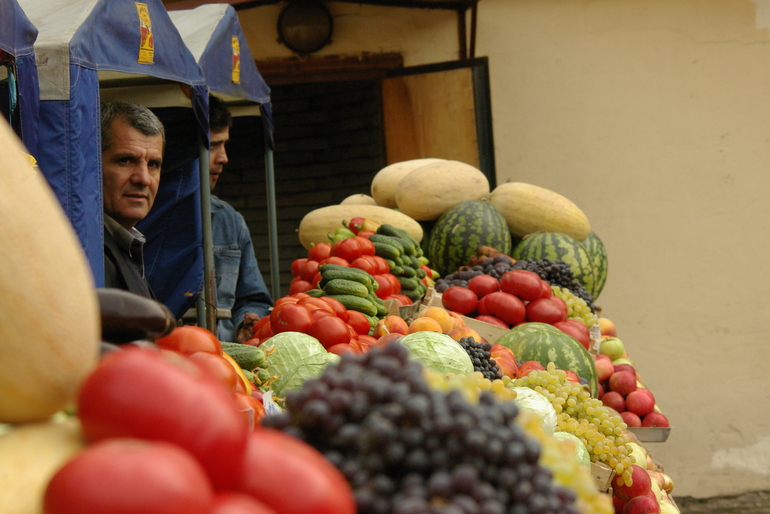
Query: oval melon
{"x": 429, "y": 191}
{"x": 49, "y": 314}
{"x": 528, "y": 209}
{"x": 317, "y": 224}
{"x": 386, "y": 180}
{"x": 358, "y": 199}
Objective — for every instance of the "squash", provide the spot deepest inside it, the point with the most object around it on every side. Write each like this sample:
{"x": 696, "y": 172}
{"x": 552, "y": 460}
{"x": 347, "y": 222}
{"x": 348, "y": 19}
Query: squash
{"x": 386, "y": 180}
{"x": 358, "y": 199}
{"x": 429, "y": 191}
{"x": 30, "y": 454}
{"x": 49, "y": 315}
{"x": 317, "y": 224}
{"x": 528, "y": 209}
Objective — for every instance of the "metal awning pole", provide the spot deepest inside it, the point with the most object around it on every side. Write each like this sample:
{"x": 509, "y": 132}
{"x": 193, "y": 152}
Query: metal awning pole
{"x": 209, "y": 294}
{"x": 275, "y": 276}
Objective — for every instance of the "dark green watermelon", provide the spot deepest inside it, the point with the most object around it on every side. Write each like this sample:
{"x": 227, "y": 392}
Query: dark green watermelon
{"x": 556, "y": 246}
{"x": 545, "y": 343}
{"x": 460, "y": 230}
{"x": 598, "y": 255}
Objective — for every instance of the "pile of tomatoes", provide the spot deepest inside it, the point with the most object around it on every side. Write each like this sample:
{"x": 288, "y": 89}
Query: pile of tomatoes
{"x": 166, "y": 434}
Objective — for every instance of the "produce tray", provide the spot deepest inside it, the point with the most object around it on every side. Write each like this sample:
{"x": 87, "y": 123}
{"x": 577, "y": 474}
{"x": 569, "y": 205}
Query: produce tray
{"x": 651, "y": 434}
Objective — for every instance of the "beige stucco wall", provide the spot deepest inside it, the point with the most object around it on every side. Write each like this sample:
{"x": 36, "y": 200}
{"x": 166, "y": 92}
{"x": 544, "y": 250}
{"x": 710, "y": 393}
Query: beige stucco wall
{"x": 654, "y": 117}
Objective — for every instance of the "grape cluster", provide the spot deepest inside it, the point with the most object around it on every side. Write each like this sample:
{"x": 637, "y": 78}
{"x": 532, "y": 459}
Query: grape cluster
{"x": 577, "y": 308}
{"x": 406, "y": 448}
{"x": 557, "y": 273}
{"x": 495, "y": 266}
{"x": 480, "y": 357}
{"x": 586, "y": 417}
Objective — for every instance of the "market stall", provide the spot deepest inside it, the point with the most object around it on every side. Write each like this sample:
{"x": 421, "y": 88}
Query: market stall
{"x": 88, "y": 45}
{"x": 18, "y": 73}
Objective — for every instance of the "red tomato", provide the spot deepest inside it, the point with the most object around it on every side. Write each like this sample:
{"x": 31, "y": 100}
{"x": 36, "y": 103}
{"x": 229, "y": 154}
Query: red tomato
{"x": 330, "y": 330}
{"x": 315, "y": 304}
{"x": 582, "y": 336}
{"x": 256, "y": 327}
{"x": 296, "y": 265}
{"x": 123, "y": 476}
{"x": 527, "y": 285}
{"x": 481, "y": 308}
{"x": 352, "y": 248}
{"x": 190, "y": 339}
{"x": 366, "y": 342}
{"x": 316, "y": 485}
{"x": 319, "y": 251}
{"x": 359, "y": 322}
{"x": 547, "y": 291}
{"x": 308, "y": 270}
{"x": 320, "y": 313}
{"x": 366, "y": 263}
{"x": 285, "y": 299}
{"x": 139, "y": 393}
{"x": 238, "y": 503}
{"x": 316, "y": 279}
{"x": 384, "y": 286}
{"x": 394, "y": 282}
{"x": 402, "y": 299}
{"x": 290, "y": 317}
{"x": 339, "y": 309}
{"x": 266, "y": 332}
{"x": 300, "y": 296}
{"x": 298, "y": 285}
{"x": 505, "y": 306}
{"x": 482, "y": 285}
{"x": 355, "y": 346}
{"x": 545, "y": 310}
{"x": 252, "y": 409}
{"x": 336, "y": 260}
{"x": 487, "y": 318}
{"x": 340, "y": 349}
{"x": 382, "y": 265}
{"x": 254, "y": 341}
{"x": 555, "y": 299}
{"x": 459, "y": 299}
{"x": 217, "y": 367}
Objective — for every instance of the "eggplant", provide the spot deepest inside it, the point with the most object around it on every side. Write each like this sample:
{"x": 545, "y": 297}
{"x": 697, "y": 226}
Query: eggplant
{"x": 128, "y": 317}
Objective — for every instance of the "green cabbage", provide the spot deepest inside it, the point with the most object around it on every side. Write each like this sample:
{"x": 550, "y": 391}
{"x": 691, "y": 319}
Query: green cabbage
{"x": 581, "y": 452}
{"x": 290, "y": 349}
{"x": 307, "y": 368}
{"x": 438, "y": 352}
{"x": 530, "y": 400}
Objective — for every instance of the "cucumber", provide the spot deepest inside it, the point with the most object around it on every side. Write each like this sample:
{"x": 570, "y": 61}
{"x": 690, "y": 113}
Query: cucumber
{"x": 408, "y": 271}
{"x": 392, "y": 241}
{"x": 346, "y": 287}
{"x": 412, "y": 294}
{"x": 334, "y": 274}
{"x": 315, "y": 293}
{"x": 356, "y": 303}
{"x": 409, "y": 283}
{"x": 386, "y": 250}
{"x": 324, "y": 267}
{"x": 248, "y": 357}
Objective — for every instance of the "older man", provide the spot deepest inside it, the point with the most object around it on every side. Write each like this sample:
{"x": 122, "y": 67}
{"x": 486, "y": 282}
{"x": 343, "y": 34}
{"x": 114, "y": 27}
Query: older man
{"x": 133, "y": 139}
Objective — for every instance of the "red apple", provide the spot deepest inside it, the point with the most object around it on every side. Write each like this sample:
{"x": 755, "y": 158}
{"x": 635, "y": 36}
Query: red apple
{"x": 526, "y": 367}
{"x": 459, "y": 333}
{"x": 600, "y": 391}
{"x": 583, "y": 337}
{"x": 386, "y": 339}
{"x": 625, "y": 367}
{"x": 640, "y": 402}
{"x": 614, "y": 400}
{"x": 631, "y": 419}
{"x": 506, "y": 362}
{"x": 389, "y": 325}
{"x": 623, "y": 382}
{"x": 640, "y": 486}
{"x": 572, "y": 376}
{"x": 607, "y": 327}
{"x": 604, "y": 368}
{"x": 618, "y": 504}
{"x": 655, "y": 419}
{"x": 642, "y": 505}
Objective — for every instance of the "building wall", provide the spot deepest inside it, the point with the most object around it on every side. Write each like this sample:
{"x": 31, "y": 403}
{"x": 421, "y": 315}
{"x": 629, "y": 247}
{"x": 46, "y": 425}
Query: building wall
{"x": 654, "y": 117}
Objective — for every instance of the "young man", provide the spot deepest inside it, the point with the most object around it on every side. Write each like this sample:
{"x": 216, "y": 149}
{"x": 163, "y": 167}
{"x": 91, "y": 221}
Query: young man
{"x": 133, "y": 139}
{"x": 239, "y": 283}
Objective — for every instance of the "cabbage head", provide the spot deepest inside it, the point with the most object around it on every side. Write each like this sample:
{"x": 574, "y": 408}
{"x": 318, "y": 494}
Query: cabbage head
{"x": 438, "y": 352}
{"x": 290, "y": 349}
{"x": 309, "y": 367}
{"x": 581, "y": 452}
{"x": 530, "y": 400}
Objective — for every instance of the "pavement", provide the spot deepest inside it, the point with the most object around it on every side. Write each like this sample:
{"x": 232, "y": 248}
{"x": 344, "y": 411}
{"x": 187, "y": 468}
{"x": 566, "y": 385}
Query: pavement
{"x": 757, "y": 502}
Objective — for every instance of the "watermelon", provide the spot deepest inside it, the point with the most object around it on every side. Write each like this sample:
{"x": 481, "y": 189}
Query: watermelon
{"x": 556, "y": 246}
{"x": 460, "y": 230}
{"x": 545, "y": 343}
{"x": 598, "y": 255}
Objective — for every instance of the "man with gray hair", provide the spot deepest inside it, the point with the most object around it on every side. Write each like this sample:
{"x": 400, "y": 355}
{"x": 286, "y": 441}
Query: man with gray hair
{"x": 133, "y": 140}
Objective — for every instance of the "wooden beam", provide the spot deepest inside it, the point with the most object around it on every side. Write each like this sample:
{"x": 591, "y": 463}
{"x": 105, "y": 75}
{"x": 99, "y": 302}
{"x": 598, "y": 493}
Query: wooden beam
{"x": 328, "y": 69}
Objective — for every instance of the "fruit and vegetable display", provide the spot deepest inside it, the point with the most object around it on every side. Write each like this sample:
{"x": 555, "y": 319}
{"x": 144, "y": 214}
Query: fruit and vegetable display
{"x": 440, "y": 350}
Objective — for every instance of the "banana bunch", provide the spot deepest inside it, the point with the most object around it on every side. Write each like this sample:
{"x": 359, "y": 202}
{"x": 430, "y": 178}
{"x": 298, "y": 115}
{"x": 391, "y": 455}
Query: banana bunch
{"x": 352, "y": 287}
{"x": 405, "y": 258}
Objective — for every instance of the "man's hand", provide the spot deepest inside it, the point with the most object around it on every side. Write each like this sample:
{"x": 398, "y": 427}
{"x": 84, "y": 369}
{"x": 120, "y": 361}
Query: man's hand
{"x": 245, "y": 329}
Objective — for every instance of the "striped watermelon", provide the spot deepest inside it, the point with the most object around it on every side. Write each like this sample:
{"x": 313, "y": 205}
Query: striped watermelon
{"x": 598, "y": 255}
{"x": 460, "y": 230}
{"x": 556, "y": 246}
{"x": 545, "y": 343}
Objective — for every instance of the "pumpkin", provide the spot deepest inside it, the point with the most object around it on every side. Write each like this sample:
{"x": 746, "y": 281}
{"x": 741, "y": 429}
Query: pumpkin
{"x": 49, "y": 315}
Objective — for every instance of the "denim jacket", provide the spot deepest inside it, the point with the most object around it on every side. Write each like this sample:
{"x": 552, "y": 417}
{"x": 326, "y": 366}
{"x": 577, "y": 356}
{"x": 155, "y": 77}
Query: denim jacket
{"x": 239, "y": 283}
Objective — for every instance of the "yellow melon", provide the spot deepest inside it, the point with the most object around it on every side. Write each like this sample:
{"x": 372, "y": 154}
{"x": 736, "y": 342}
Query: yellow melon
{"x": 386, "y": 180}
{"x": 49, "y": 314}
{"x": 358, "y": 199}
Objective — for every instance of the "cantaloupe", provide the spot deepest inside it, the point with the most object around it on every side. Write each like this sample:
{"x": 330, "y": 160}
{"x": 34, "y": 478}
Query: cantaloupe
{"x": 358, "y": 199}
{"x": 386, "y": 180}
{"x": 528, "y": 209}
{"x": 49, "y": 314}
{"x": 317, "y": 224}
{"x": 429, "y": 191}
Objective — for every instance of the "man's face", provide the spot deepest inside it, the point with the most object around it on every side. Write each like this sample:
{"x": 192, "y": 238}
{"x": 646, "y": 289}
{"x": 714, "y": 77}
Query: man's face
{"x": 131, "y": 173}
{"x": 217, "y": 154}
